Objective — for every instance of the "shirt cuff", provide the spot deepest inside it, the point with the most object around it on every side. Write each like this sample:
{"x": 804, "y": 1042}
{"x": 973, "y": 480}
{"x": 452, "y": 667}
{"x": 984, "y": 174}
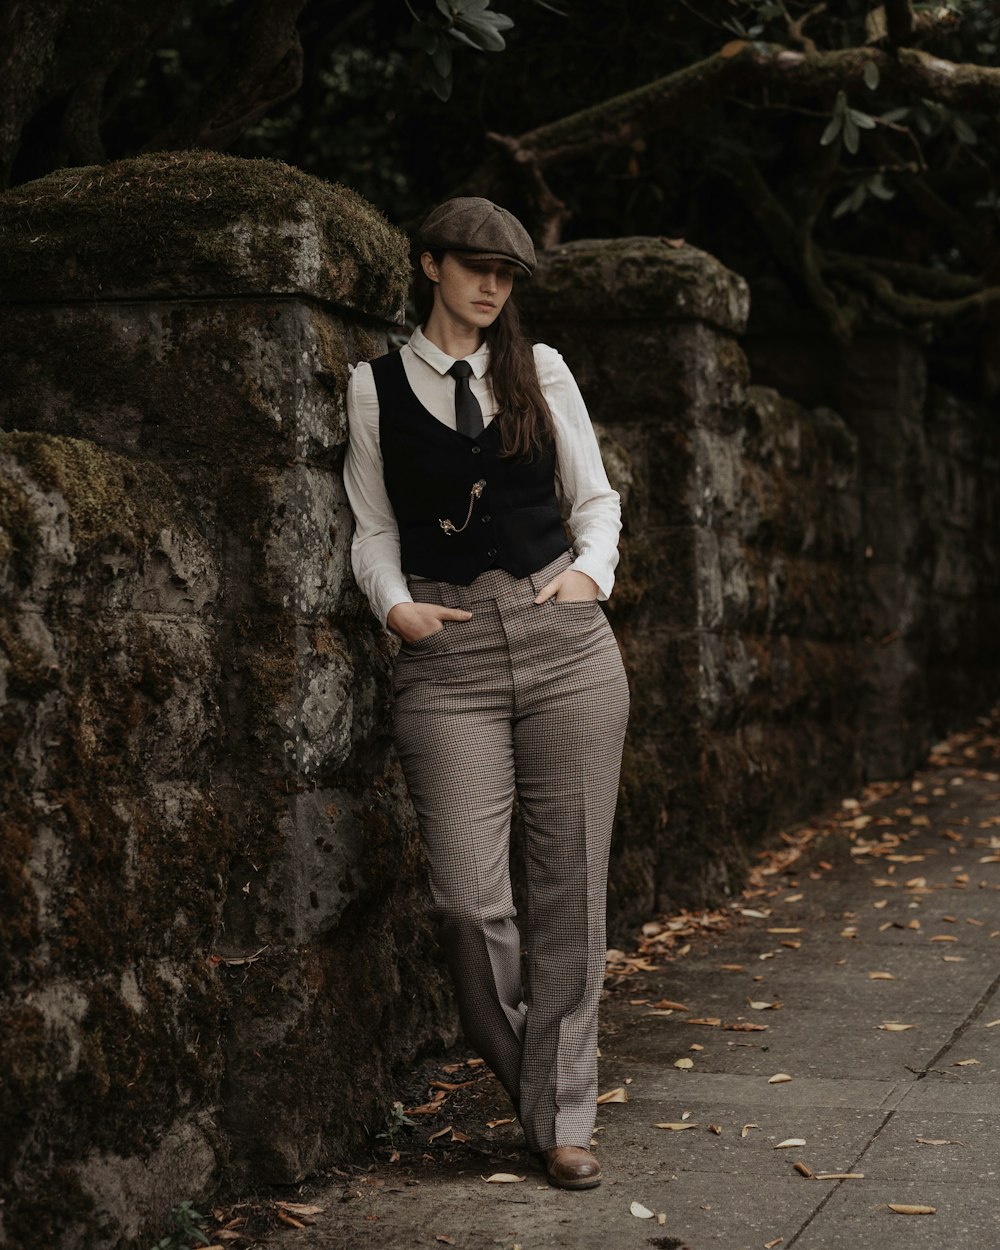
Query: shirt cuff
{"x": 597, "y": 569}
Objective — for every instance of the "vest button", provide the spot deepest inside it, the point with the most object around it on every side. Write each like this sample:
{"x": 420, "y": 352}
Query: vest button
{"x": 492, "y": 553}
{"x": 476, "y": 450}
{"x": 486, "y": 517}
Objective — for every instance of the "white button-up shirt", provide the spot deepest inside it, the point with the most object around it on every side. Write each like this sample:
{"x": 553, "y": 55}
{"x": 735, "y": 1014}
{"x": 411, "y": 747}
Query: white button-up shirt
{"x": 581, "y": 481}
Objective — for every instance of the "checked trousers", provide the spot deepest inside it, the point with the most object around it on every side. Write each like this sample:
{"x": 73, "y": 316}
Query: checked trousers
{"x": 533, "y": 698}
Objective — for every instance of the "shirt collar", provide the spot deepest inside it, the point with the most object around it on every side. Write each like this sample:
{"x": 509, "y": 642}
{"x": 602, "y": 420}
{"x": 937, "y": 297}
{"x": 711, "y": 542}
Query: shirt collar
{"x": 438, "y": 360}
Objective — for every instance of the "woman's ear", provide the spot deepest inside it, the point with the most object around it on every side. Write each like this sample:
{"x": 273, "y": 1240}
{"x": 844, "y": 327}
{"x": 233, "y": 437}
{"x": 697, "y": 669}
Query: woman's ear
{"x": 429, "y": 266}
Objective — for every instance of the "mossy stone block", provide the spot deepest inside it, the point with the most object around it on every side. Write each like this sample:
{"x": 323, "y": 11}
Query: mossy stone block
{"x": 198, "y": 224}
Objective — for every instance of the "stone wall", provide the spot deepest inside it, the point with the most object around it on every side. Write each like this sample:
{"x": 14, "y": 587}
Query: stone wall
{"x": 738, "y": 594}
{"x": 212, "y": 888}
{"x": 212, "y": 880}
{"x": 930, "y": 490}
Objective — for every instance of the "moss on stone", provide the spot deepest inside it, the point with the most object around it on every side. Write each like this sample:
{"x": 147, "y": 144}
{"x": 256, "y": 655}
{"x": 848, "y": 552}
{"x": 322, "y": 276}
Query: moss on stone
{"x": 198, "y": 221}
{"x": 106, "y": 494}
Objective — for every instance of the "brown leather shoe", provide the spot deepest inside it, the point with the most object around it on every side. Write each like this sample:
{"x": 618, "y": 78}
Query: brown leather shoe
{"x": 571, "y": 1167}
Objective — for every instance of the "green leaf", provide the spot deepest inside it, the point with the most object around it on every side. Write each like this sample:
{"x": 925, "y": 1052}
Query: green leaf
{"x": 872, "y": 75}
{"x": 877, "y": 187}
{"x": 851, "y": 203}
{"x": 852, "y": 136}
{"x": 482, "y": 34}
{"x": 439, "y": 85}
{"x": 864, "y": 120}
{"x": 455, "y": 33}
{"x": 964, "y": 131}
{"x": 441, "y": 59}
{"x": 833, "y": 129}
{"x": 426, "y": 37}
{"x": 896, "y": 115}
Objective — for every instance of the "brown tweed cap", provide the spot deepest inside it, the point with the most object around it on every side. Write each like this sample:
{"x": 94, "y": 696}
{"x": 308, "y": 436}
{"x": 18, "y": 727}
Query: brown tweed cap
{"x": 473, "y": 225}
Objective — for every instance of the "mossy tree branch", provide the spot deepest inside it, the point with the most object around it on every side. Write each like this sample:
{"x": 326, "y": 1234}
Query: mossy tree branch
{"x": 666, "y": 101}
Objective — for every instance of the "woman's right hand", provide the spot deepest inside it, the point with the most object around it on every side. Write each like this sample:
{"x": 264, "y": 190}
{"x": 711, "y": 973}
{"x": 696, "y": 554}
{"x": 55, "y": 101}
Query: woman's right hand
{"x": 415, "y": 621}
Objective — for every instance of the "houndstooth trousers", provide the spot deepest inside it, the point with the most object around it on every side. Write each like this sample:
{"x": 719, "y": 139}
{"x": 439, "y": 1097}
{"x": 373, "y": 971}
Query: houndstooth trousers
{"x": 532, "y": 696}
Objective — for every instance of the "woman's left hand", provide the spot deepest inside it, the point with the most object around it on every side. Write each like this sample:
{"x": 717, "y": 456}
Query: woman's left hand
{"x": 569, "y": 584}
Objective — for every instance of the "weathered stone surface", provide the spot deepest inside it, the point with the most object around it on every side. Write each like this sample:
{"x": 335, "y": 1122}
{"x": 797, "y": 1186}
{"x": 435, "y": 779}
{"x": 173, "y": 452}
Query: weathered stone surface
{"x": 208, "y": 845}
{"x": 738, "y": 592}
{"x": 197, "y": 223}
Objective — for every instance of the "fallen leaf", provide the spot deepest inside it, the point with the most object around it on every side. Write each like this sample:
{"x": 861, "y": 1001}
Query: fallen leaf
{"x": 716, "y": 1129}
{"x": 754, "y": 913}
{"x": 992, "y": 1024}
{"x": 667, "y": 1004}
{"x": 964, "y": 1063}
{"x": 839, "y": 1176}
{"x": 745, "y": 1026}
{"x": 712, "y": 1021}
{"x": 778, "y": 1079}
{"x": 939, "y": 1141}
{"x": 793, "y": 898}
{"x": 793, "y": 944}
{"x": 695, "y": 1046}
{"x": 640, "y": 1212}
{"x": 802, "y": 1169}
{"x": 799, "y": 930}
{"x": 910, "y": 1208}
{"x": 733, "y": 967}
{"x": 881, "y": 976}
{"x": 443, "y": 1237}
{"x": 761, "y": 1004}
{"x": 679, "y": 1063}
{"x": 460, "y": 1137}
{"x": 676, "y": 1125}
{"x": 661, "y": 1218}
{"x": 789, "y": 1141}
{"x": 497, "y": 1123}
{"x": 502, "y": 1178}
{"x": 733, "y": 48}
{"x": 440, "y": 1133}
{"x": 300, "y": 1208}
{"x": 776, "y": 1241}
{"x": 614, "y": 1095}
{"x": 943, "y": 937}
{"x": 890, "y": 1026}
{"x": 745, "y": 1130}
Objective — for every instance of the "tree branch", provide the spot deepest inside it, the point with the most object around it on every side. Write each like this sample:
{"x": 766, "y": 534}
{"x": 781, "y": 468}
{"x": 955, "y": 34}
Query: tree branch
{"x": 913, "y": 307}
{"x": 664, "y": 102}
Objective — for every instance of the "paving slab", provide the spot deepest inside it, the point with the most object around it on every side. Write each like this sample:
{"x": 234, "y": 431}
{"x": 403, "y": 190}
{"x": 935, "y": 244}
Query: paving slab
{"x": 859, "y": 1099}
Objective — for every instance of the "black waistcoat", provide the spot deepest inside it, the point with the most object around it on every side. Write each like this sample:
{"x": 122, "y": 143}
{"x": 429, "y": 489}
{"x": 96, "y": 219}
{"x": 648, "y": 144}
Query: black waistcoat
{"x": 430, "y": 470}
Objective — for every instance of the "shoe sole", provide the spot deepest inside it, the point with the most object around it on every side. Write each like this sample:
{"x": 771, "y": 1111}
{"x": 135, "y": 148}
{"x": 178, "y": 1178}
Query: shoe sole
{"x": 588, "y": 1182}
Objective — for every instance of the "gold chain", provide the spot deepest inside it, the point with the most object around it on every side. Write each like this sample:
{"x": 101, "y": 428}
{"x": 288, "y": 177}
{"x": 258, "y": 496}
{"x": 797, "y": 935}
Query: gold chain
{"x": 449, "y": 526}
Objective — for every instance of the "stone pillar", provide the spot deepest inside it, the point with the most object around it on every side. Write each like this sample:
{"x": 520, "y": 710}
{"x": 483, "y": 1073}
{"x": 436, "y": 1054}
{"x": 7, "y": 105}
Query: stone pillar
{"x": 193, "y": 316}
{"x": 737, "y": 598}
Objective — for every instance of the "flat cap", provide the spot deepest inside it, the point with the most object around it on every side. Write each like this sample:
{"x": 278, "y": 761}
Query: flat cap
{"x": 471, "y": 224}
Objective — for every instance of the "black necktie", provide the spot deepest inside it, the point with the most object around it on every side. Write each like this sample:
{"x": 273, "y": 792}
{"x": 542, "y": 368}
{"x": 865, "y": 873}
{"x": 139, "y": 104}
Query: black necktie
{"x": 468, "y": 414}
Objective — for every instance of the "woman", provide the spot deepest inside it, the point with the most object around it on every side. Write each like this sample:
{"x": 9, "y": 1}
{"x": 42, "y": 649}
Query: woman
{"x": 508, "y": 676}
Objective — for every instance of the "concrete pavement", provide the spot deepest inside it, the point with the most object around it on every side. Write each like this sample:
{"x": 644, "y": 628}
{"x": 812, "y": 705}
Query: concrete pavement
{"x": 903, "y": 882}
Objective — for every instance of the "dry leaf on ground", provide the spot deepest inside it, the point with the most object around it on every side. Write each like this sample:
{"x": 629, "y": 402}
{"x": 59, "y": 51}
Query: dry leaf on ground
{"x": 939, "y": 1141}
{"x": 677, "y": 1125}
{"x": 839, "y": 1176}
{"x": 892, "y": 1026}
{"x": 641, "y": 1212}
{"x": 613, "y": 1095}
{"x": 682, "y": 1063}
{"x": 881, "y": 976}
{"x": 790, "y": 1141}
{"x": 911, "y": 1208}
{"x": 502, "y": 1178}
{"x": 746, "y": 1129}
{"x": 779, "y": 1078}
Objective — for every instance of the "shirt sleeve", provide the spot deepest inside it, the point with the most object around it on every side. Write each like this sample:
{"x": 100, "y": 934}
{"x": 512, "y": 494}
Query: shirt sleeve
{"x": 375, "y": 545}
{"x": 595, "y": 508}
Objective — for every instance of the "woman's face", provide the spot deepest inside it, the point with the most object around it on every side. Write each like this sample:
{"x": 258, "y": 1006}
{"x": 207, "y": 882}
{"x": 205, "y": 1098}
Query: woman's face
{"x": 468, "y": 290}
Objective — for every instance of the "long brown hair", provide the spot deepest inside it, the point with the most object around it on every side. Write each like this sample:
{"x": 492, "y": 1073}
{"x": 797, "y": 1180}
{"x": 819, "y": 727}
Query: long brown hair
{"x": 526, "y": 427}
